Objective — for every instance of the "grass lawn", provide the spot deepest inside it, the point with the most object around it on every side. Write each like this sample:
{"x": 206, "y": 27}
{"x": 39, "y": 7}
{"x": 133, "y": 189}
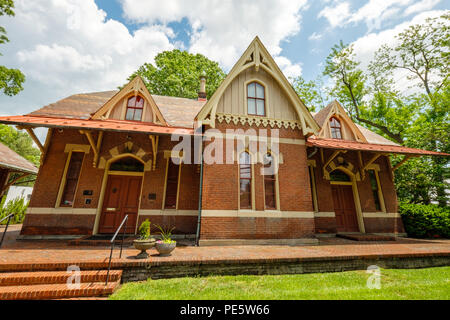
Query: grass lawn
{"x": 432, "y": 283}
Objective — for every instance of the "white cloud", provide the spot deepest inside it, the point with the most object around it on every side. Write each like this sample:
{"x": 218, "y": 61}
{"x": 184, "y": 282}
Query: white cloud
{"x": 366, "y": 46}
{"x": 421, "y": 6}
{"x": 222, "y": 30}
{"x": 315, "y": 36}
{"x": 337, "y": 15}
{"x": 290, "y": 69}
{"x": 374, "y": 13}
{"x": 69, "y": 46}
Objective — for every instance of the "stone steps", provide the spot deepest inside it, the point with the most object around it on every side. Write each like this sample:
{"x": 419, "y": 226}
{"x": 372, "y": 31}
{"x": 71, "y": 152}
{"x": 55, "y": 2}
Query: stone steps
{"x": 53, "y": 285}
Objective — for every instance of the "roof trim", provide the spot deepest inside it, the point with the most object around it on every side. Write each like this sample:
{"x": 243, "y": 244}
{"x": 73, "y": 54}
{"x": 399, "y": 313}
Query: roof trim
{"x": 359, "y": 146}
{"x": 261, "y": 59}
{"x": 337, "y": 110}
{"x": 95, "y": 124}
{"x": 17, "y": 168}
{"x": 136, "y": 86}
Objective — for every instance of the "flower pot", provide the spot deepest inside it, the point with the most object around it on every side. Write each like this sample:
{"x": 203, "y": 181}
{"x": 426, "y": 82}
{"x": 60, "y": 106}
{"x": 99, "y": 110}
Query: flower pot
{"x": 143, "y": 245}
{"x": 165, "y": 249}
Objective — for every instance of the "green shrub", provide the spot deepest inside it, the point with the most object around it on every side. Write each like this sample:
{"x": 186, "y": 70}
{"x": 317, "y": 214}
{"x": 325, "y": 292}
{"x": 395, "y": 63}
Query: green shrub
{"x": 144, "y": 230}
{"x": 18, "y": 206}
{"x": 425, "y": 221}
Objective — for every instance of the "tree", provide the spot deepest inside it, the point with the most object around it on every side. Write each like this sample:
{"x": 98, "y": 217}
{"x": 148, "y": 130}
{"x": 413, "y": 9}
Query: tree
{"x": 351, "y": 89}
{"x": 176, "y": 73}
{"x": 11, "y": 80}
{"x": 417, "y": 118}
{"x": 310, "y": 92}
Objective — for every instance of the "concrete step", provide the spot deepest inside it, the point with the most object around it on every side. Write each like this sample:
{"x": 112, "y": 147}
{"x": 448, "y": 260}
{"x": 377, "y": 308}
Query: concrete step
{"x": 365, "y": 237}
{"x": 56, "y": 277}
{"x": 57, "y": 291}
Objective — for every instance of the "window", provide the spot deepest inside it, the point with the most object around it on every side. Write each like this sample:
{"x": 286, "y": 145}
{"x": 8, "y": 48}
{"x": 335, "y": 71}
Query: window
{"x": 375, "y": 189}
{"x": 173, "y": 172}
{"x": 129, "y": 164}
{"x": 245, "y": 181}
{"x": 256, "y": 104}
{"x": 270, "y": 199}
{"x": 335, "y": 127}
{"x": 135, "y": 107}
{"x": 72, "y": 175}
{"x": 338, "y": 175}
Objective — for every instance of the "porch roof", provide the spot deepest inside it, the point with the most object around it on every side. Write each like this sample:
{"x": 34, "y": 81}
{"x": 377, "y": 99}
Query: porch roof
{"x": 14, "y": 162}
{"x": 353, "y": 145}
{"x": 101, "y": 125}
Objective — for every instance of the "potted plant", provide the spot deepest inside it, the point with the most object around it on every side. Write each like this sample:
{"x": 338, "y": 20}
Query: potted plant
{"x": 166, "y": 245}
{"x": 144, "y": 242}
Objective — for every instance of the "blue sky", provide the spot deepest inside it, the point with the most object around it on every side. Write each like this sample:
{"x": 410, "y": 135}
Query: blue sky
{"x": 300, "y": 48}
{"x": 66, "y": 47}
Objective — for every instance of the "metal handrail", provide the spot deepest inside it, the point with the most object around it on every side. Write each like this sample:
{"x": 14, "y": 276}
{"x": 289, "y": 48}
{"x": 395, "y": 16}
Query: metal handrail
{"x": 124, "y": 221}
{"x": 6, "y": 228}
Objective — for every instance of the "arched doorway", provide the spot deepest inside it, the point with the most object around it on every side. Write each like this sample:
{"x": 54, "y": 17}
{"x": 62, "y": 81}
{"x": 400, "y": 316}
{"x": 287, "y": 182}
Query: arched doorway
{"x": 122, "y": 195}
{"x": 344, "y": 202}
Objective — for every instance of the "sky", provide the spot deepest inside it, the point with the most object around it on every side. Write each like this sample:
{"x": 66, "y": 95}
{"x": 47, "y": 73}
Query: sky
{"x": 66, "y": 47}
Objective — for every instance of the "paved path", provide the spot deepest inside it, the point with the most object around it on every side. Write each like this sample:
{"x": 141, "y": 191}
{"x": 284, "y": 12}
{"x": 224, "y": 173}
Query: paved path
{"x": 47, "y": 252}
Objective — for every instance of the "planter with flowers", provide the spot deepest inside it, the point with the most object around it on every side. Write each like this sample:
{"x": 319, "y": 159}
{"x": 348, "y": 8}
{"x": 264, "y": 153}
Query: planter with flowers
{"x": 166, "y": 245}
{"x": 145, "y": 241}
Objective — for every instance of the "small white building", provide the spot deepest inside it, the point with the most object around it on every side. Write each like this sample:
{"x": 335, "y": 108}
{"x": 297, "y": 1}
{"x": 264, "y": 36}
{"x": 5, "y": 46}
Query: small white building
{"x": 15, "y": 192}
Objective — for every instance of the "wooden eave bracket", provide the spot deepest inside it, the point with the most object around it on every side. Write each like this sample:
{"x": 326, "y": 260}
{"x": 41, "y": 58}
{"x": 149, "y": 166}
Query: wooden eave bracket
{"x": 406, "y": 158}
{"x": 155, "y": 142}
{"x": 9, "y": 184}
{"x": 332, "y": 157}
{"x": 33, "y": 136}
{"x": 367, "y": 165}
{"x": 95, "y": 146}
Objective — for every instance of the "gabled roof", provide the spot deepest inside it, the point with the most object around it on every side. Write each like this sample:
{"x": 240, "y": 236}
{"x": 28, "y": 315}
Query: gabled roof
{"x": 335, "y": 109}
{"x": 14, "y": 162}
{"x": 135, "y": 86}
{"x": 257, "y": 56}
{"x": 178, "y": 112}
{"x": 339, "y": 144}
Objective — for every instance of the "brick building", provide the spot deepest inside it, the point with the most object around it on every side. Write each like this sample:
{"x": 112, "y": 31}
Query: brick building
{"x": 255, "y": 165}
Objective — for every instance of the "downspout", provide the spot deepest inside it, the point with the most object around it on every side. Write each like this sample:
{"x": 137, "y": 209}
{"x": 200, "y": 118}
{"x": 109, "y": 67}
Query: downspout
{"x": 200, "y": 194}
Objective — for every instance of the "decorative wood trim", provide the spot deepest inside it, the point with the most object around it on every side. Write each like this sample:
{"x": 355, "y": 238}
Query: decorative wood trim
{"x": 398, "y": 165}
{"x": 257, "y": 56}
{"x": 155, "y": 142}
{"x": 33, "y": 136}
{"x": 313, "y": 187}
{"x": 257, "y": 121}
{"x": 46, "y": 145}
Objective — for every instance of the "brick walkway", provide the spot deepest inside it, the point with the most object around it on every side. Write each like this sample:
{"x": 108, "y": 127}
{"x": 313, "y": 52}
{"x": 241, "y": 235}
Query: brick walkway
{"x": 54, "y": 252}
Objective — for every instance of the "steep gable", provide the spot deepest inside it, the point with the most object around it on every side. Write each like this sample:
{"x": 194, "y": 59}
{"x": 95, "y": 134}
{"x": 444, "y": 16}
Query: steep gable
{"x": 348, "y": 128}
{"x": 257, "y": 60}
{"x": 116, "y": 107}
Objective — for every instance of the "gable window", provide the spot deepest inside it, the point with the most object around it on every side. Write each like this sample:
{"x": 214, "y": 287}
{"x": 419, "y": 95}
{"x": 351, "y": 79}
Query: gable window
{"x": 376, "y": 190}
{"x": 171, "y": 196}
{"x": 135, "y": 108}
{"x": 256, "y": 103}
{"x": 270, "y": 190}
{"x": 71, "y": 179}
{"x": 335, "y": 126}
{"x": 245, "y": 181}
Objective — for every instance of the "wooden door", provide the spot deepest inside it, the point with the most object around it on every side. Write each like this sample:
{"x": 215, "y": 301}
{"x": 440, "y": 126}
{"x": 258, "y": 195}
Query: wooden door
{"x": 121, "y": 198}
{"x": 344, "y": 207}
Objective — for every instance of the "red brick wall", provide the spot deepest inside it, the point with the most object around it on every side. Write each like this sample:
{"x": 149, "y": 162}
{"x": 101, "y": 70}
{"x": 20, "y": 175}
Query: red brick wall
{"x": 221, "y": 192}
{"x": 50, "y": 175}
{"x": 256, "y": 228}
{"x": 325, "y": 200}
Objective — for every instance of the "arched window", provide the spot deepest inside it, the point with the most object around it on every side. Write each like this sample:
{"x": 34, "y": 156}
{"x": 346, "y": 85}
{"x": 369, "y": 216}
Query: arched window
{"x": 338, "y": 175}
{"x": 256, "y": 103}
{"x": 245, "y": 181}
{"x": 270, "y": 191}
{"x": 127, "y": 164}
{"x": 335, "y": 127}
{"x": 135, "y": 107}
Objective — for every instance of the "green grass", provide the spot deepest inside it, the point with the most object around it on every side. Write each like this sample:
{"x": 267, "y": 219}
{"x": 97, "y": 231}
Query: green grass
{"x": 432, "y": 283}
